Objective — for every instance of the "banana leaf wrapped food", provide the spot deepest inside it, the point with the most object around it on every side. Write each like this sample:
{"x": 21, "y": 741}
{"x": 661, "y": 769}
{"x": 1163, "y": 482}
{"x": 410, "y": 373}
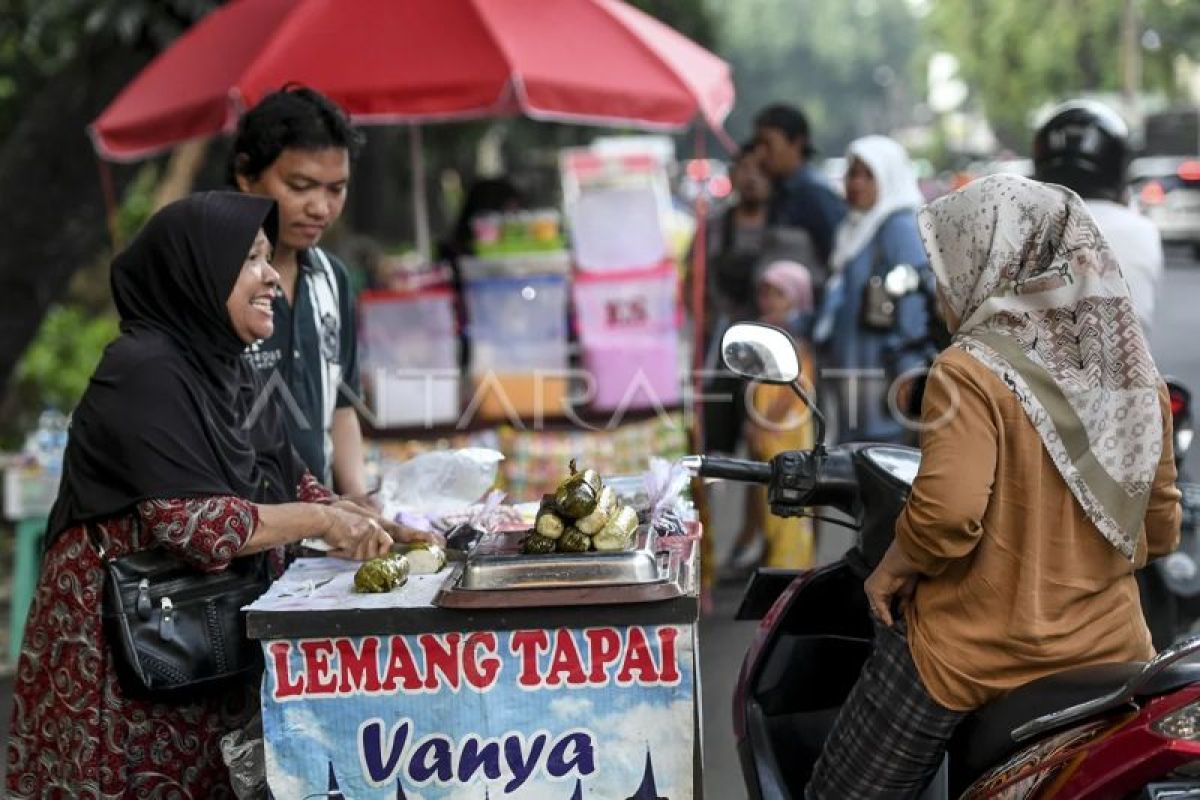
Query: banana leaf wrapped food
{"x": 549, "y": 523}
{"x": 576, "y": 496}
{"x": 536, "y": 544}
{"x": 574, "y": 541}
{"x": 381, "y": 574}
{"x": 425, "y": 558}
{"x": 617, "y": 534}
{"x": 606, "y": 504}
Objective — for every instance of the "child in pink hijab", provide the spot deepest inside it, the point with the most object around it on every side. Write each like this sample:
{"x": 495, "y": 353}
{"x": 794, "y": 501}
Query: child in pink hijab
{"x": 785, "y": 297}
{"x": 778, "y": 421}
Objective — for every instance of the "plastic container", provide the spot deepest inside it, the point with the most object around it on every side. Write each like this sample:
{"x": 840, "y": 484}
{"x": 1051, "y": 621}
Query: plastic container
{"x": 404, "y": 398}
{"x": 525, "y": 397}
{"x": 496, "y": 355}
{"x": 629, "y": 302}
{"x": 516, "y": 310}
{"x": 409, "y": 346}
{"x": 515, "y": 265}
{"x": 408, "y": 330}
{"x": 634, "y": 371}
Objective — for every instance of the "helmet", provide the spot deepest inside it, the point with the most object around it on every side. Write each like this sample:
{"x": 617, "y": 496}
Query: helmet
{"x": 1083, "y": 145}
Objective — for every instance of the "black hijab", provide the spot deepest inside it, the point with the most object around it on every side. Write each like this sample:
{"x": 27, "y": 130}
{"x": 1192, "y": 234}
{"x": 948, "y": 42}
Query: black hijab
{"x": 170, "y": 411}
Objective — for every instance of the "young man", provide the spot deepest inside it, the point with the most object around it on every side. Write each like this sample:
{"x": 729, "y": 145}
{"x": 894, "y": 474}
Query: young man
{"x": 295, "y": 146}
{"x": 802, "y": 197}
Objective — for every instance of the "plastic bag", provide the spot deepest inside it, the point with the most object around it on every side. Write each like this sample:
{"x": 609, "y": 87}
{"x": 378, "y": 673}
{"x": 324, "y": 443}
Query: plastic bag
{"x": 666, "y": 507}
{"x": 440, "y": 482}
{"x": 244, "y": 755}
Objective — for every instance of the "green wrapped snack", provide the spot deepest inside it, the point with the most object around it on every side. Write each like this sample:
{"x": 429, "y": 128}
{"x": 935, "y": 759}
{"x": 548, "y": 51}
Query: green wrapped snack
{"x": 574, "y": 541}
{"x": 425, "y": 558}
{"x": 606, "y": 504}
{"x": 577, "y": 495}
{"x": 618, "y": 533}
{"x": 536, "y": 544}
{"x": 549, "y": 523}
{"x": 381, "y": 574}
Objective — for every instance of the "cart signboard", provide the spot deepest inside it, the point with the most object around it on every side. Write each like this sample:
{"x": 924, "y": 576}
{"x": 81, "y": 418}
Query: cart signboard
{"x": 534, "y": 713}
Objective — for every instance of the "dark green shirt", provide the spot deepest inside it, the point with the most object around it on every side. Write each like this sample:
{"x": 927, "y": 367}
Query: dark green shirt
{"x": 312, "y": 356}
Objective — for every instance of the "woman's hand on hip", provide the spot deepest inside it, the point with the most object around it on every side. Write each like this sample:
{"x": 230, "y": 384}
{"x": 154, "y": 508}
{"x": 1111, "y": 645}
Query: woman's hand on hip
{"x": 355, "y": 536}
{"x": 894, "y": 579}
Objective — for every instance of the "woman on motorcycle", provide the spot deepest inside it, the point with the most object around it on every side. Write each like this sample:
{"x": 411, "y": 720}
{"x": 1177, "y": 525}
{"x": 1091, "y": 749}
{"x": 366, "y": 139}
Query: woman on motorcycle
{"x": 1046, "y": 480}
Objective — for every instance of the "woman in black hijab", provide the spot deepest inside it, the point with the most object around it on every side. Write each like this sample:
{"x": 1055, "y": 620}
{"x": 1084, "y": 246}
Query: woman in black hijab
{"x": 171, "y": 447}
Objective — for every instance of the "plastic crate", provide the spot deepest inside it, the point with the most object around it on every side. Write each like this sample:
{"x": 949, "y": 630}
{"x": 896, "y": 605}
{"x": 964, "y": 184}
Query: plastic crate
{"x": 530, "y": 309}
{"x": 632, "y": 372}
{"x": 519, "y": 265}
{"x": 638, "y": 301}
{"x": 414, "y": 330}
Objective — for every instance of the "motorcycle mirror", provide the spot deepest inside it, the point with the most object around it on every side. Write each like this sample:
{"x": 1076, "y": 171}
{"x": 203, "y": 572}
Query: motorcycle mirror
{"x": 768, "y": 354}
{"x": 760, "y": 352}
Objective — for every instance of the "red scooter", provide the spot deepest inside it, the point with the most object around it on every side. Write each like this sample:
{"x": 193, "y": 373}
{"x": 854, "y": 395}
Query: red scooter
{"x": 1121, "y": 730}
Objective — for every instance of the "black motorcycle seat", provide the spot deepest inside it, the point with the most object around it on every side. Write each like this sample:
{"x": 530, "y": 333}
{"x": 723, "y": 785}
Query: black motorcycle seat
{"x": 985, "y": 737}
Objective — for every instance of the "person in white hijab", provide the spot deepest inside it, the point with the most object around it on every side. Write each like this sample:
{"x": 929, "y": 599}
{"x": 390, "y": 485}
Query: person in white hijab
{"x": 862, "y": 354}
{"x": 1047, "y": 478}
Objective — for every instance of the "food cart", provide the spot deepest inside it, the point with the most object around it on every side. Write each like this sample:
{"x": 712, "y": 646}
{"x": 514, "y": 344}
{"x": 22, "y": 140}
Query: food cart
{"x": 502, "y": 676}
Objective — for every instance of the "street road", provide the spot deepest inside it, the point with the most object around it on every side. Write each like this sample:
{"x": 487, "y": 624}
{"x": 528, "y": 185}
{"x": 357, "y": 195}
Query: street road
{"x": 1176, "y": 344}
{"x": 1176, "y": 341}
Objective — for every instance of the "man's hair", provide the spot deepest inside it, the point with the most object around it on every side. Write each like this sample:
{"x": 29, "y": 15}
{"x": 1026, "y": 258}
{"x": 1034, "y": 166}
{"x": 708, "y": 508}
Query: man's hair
{"x": 746, "y": 150}
{"x": 292, "y": 117}
{"x": 788, "y": 119}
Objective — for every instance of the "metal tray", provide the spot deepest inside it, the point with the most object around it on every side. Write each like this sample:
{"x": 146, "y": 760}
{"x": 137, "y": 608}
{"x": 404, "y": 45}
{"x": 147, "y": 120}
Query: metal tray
{"x": 496, "y": 564}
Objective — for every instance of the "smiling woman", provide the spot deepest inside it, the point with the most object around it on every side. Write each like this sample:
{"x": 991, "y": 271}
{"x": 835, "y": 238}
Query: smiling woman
{"x": 250, "y": 302}
{"x": 171, "y": 452}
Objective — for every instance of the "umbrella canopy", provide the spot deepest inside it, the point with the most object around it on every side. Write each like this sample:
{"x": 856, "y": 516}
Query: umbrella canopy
{"x": 393, "y": 61}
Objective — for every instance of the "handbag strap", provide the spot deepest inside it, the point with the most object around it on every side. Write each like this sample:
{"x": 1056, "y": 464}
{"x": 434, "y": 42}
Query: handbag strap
{"x": 97, "y": 544}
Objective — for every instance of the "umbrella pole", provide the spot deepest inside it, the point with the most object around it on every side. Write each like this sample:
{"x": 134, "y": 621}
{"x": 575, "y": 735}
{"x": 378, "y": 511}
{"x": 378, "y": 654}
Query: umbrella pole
{"x": 416, "y": 154}
{"x": 699, "y": 284}
{"x": 110, "y": 203}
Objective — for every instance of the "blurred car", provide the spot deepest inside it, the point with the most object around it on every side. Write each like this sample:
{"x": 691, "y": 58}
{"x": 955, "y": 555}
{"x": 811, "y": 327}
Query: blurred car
{"x": 1167, "y": 190}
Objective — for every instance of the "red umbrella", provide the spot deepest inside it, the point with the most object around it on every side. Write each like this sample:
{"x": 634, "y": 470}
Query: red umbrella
{"x": 388, "y": 61}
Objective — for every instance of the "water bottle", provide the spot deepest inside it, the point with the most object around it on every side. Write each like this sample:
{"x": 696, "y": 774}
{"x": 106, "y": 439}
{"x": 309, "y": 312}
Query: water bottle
{"x": 50, "y": 440}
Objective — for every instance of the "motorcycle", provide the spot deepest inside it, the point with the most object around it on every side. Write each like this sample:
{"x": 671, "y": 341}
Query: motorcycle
{"x": 1170, "y": 588}
{"x": 1114, "y": 730}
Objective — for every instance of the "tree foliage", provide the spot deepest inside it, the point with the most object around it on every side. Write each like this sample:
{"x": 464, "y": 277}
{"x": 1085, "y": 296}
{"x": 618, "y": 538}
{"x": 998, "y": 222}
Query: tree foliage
{"x": 847, "y": 64}
{"x": 39, "y": 38}
{"x": 1017, "y": 55}
{"x": 61, "y": 62}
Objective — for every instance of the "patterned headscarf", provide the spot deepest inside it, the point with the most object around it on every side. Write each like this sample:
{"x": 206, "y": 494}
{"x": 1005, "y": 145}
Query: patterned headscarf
{"x": 1044, "y": 306}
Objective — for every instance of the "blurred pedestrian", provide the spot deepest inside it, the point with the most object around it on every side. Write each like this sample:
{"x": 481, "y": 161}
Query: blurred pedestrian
{"x": 1046, "y": 478}
{"x": 802, "y": 197}
{"x": 873, "y": 330}
{"x": 778, "y": 420}
{"x": 295, "y": 146}
{"x": 1084, "y": 145}
{"x": 739, "y": 242}
{"x": 485, "y": 196}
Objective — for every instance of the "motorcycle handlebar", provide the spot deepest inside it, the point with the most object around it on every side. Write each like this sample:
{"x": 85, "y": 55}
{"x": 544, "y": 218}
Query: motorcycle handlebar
{"x": 734, "y": 469}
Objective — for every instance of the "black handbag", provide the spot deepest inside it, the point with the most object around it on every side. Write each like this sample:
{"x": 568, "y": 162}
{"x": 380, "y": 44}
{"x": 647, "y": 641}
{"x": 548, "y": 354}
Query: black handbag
{"x": 172, "y": 628}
